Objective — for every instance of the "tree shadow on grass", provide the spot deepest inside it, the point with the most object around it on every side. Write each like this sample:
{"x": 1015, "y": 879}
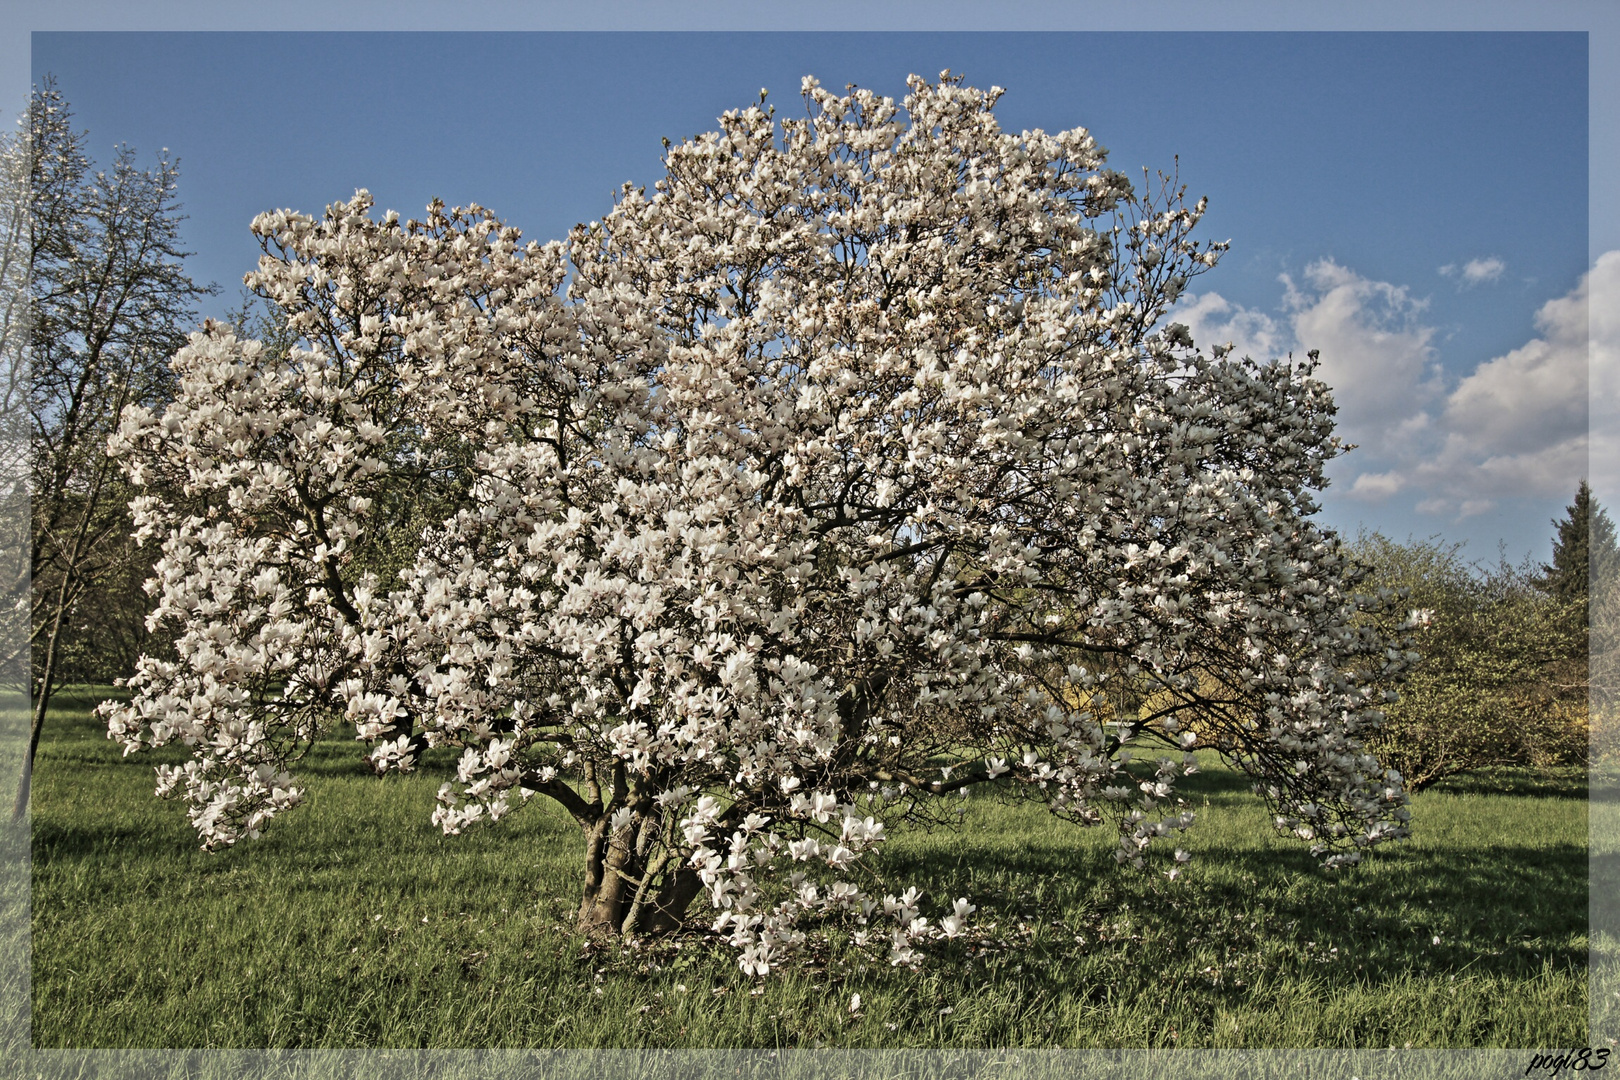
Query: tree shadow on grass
{"x": 1527, "y": 782}
{"x": 1508, "y": 910}
{"x": 160, "y": 834}
{"x": 1562, "y": 783}
{"x": 160, "y": 845}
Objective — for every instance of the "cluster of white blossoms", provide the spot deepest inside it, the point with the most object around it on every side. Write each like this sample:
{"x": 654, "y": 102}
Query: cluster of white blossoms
{"x": 850, "y": 469}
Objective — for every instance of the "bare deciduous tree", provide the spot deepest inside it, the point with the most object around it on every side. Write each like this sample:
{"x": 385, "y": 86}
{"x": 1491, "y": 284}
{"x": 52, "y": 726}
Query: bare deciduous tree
{"x": 109, "y": 293}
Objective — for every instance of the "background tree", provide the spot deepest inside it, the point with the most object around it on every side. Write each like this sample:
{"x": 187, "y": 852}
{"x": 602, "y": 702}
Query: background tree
{"x": 1583, "y": 548}
{"x": 110, "y": 299}
{"x": 1501, "y": 679}
{"x": 1603, "y": 670}
{"x": 1586, "y": 569}
{"x": 831, "y": 479}
{"x": 14, "y": 423}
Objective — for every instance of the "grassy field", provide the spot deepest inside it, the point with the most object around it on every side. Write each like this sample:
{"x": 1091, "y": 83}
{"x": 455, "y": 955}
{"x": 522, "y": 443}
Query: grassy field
{"x": 355, "y": 923}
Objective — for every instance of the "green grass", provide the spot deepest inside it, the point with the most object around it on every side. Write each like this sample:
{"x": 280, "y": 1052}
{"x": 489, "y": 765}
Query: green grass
{"x": 355, "y": 923}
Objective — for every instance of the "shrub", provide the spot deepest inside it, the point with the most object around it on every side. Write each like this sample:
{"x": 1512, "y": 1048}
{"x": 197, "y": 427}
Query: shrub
{"x": 1501, "y": 678}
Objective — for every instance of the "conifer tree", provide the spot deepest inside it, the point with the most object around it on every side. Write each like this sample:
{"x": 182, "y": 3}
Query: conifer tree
{"x": 1585, "y": 541}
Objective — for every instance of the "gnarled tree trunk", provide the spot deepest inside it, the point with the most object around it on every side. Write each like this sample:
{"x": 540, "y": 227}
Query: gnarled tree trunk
{"x": 631, "y": 890}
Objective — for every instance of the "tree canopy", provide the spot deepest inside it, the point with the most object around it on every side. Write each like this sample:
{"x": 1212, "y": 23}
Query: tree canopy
{"x": 853, "y": 467}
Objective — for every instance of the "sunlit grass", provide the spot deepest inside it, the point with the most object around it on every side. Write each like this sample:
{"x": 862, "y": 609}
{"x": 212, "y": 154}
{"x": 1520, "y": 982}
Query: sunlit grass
{"x": 355, "y": 923}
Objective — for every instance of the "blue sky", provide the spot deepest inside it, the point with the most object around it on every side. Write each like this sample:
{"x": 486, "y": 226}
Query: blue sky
{"x": 1409, "y": 203}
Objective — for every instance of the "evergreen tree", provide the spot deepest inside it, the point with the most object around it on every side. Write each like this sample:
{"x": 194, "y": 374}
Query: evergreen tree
{"x": 1585, "y": 542}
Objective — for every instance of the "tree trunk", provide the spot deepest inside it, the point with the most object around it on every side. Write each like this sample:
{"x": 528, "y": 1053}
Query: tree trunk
{"x": 600, "y": 908}
{"x": 667, "y": 913}
{"x": 618, "y": 899}
{"x": 41, "y": 703}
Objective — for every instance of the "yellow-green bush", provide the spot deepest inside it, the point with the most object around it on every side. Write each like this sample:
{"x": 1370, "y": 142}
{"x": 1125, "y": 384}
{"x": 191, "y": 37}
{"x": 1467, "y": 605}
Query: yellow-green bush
{"x": 1502, "y": 678}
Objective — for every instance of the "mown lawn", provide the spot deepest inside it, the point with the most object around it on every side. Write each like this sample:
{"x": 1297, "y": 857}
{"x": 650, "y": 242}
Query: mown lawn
{"x": 355, "y": 923}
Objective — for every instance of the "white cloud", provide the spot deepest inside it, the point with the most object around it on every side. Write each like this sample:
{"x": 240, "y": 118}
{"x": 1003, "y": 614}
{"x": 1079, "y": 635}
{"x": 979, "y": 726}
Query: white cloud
{"x": 1377, "y": 485}
{"x": 1603, "y": 313}
{"x": 1375, "y": 352}
{"x": 1215, "y": 321}
{"x": 1517, "y": 425}
{"x": 1476, "y": 271}
{"x": 1456, "y": 509}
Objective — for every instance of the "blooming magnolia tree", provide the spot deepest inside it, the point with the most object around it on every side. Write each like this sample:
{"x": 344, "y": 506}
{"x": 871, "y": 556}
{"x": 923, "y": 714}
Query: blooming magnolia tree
{"x": 850, "y": 469}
